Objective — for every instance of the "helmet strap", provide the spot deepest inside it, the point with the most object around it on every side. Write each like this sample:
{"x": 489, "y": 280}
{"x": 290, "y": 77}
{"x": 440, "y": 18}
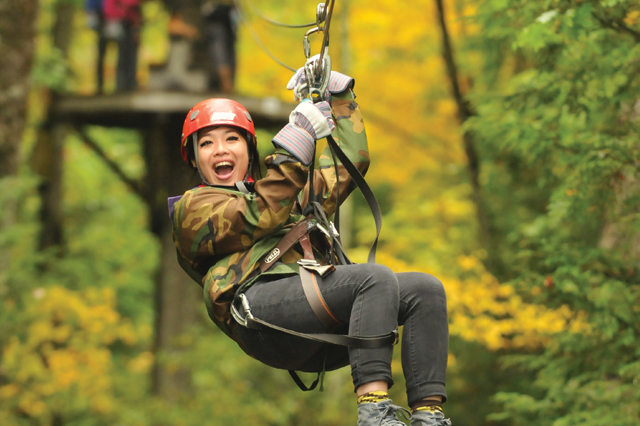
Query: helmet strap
{"x": 195, "y": 155}
{"x": 250, "y": 141}
{"x": 246, "y": 175}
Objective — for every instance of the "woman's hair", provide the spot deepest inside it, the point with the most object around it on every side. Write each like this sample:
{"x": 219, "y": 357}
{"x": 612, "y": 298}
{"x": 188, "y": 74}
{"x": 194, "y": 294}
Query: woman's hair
{"x": 254, "y": 158}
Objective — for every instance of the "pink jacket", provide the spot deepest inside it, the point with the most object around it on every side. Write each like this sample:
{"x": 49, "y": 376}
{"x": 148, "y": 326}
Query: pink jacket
{"x": 127, "y": 10}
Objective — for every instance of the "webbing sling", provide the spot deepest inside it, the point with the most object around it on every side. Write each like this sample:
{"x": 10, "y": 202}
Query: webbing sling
{"x": 362, "y": 184}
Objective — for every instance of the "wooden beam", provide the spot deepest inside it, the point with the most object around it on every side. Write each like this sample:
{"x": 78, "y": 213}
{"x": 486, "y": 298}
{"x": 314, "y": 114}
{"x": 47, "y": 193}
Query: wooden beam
{"x": 136, "y": 109}
{"x": 132, "y": 184}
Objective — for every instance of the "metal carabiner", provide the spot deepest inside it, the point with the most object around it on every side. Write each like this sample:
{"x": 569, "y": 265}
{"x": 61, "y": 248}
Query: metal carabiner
{"x": 317, "y": 76}
{"x": 306, "y": 44}
{"x": 317, "y": 71}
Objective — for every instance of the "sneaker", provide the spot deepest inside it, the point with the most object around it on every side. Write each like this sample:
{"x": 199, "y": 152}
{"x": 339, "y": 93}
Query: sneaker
{"x": 429, "y": 418}
{"x": 381, "y": 413}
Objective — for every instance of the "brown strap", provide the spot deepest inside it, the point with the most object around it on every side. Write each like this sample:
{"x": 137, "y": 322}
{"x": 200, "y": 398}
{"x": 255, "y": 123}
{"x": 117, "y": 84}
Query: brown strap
{"x": 305, "y": 243}
{"x": 289, "y": 239}
{"x": 310, "y": 285}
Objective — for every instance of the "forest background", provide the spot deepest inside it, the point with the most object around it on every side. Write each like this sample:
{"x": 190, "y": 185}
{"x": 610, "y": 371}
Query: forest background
{"x": 504, "y": 156}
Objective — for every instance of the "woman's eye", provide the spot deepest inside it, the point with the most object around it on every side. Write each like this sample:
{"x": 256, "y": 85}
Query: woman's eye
{"x": 204, "y": 143}
{"x": 233, "y": 138}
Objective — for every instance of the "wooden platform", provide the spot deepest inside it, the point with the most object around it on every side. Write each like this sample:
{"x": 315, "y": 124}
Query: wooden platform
{"x": 141, "y": 109}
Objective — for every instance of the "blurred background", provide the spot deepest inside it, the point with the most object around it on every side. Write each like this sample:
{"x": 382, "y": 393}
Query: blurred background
{"x": 504, "y": 147}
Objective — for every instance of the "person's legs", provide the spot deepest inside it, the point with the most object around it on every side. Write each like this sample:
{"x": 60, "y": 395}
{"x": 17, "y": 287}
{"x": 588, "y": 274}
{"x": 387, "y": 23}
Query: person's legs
{"x": 102, "y": 50}
{"x": 425, "y": 344}
{"x": 222, "y": 58}
{"x": 127, "y": 66}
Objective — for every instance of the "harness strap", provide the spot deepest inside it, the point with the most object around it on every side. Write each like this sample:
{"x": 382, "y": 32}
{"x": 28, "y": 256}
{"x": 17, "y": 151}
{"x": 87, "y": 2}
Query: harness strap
{"x": 301, "y": 384}
{"x": 358, "y": 342}
{"x": 306, "y": 247}
{"x": 310, "y": 276}
{"x": 358, "y": 179}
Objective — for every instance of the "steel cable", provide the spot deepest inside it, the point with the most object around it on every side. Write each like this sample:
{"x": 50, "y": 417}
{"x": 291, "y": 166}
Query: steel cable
{"x": 274, "y": 22}
{"x": 256, "y": 37}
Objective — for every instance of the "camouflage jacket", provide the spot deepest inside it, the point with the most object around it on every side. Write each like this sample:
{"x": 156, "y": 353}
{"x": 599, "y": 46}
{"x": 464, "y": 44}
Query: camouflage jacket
{"x": 222, "y": 235}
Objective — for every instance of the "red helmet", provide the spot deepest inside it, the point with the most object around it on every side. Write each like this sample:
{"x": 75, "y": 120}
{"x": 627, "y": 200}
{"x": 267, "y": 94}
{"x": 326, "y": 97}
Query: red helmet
{"x": 215, "y": 112}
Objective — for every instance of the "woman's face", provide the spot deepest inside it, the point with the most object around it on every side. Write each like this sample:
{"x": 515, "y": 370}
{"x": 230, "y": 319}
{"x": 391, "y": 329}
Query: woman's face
{"x": 223, "y": 155}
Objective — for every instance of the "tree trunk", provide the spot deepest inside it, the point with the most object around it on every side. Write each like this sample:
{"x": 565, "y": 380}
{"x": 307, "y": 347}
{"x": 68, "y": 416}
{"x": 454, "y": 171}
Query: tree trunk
{"x": 17, "y": 34}
{"x": 177, "y": 297}
{"x": 465, "y": 111}
{"x": 46, "y": 159}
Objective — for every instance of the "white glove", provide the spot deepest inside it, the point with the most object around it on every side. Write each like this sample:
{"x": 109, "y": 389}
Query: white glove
{"x": 308, "y": 122}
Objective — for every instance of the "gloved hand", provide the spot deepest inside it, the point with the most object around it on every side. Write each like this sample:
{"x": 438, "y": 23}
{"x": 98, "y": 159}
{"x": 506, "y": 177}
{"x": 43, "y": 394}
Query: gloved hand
{"x": 338, "y": 83}
{"x": 308, "y": 122}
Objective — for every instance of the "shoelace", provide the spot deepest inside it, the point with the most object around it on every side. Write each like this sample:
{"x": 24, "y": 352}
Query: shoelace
{"x": 440, "y": 421}
{"x": 393, "y": 409}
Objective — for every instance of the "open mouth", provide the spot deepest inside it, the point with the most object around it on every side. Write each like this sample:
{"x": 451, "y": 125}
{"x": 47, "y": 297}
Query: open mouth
{"x": 223, "y": 169}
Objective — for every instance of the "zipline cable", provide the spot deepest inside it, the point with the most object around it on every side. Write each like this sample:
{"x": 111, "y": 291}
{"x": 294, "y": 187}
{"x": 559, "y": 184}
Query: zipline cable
{"x": 256, "y": 37}
{"x": 274, "y": 22}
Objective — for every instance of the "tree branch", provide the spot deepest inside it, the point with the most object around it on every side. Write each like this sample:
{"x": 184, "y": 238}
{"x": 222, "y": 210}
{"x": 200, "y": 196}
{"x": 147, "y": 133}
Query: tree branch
{"x": 464, "y": 108}
{"x": 133, "y": 185}
{"x": 465, "y": 111}
{"x": 617, "y": 26}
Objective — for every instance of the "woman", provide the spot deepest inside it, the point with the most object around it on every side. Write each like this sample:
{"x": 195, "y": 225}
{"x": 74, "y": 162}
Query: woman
{"x": 228, "y": 227}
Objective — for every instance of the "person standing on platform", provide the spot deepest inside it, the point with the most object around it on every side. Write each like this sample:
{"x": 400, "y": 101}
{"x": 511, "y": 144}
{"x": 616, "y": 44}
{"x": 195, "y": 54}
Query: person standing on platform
{"x": 95, "y": 21}
{"x": 221, "y": 22}
{"x": 123, "y": 20}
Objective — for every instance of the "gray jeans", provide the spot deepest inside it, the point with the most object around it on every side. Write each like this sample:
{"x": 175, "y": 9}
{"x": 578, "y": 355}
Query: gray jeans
{"x": 371, "y": 300}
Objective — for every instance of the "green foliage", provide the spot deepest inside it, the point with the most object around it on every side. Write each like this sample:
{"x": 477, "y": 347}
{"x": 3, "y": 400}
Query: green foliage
{"x": 559, "y": 142}
{"x": 74, "y": 328}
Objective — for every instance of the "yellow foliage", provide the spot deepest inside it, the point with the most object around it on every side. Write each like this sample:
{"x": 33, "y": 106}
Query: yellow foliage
{"x": 142, "y": 363}
{"x": 65, "y": 353}
{"x": 483, "y": 310}
{"x": 632, "y": 17}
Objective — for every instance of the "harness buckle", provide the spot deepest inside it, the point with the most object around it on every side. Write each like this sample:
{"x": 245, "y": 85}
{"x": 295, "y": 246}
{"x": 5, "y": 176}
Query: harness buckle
{"x": 308, "y": 262}
{"x": 397, "y": 336}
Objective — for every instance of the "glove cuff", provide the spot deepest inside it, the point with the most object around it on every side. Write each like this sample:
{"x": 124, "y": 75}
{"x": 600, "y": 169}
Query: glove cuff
{"x": 297, "y": 142}
{"x": 339, "y": 82}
